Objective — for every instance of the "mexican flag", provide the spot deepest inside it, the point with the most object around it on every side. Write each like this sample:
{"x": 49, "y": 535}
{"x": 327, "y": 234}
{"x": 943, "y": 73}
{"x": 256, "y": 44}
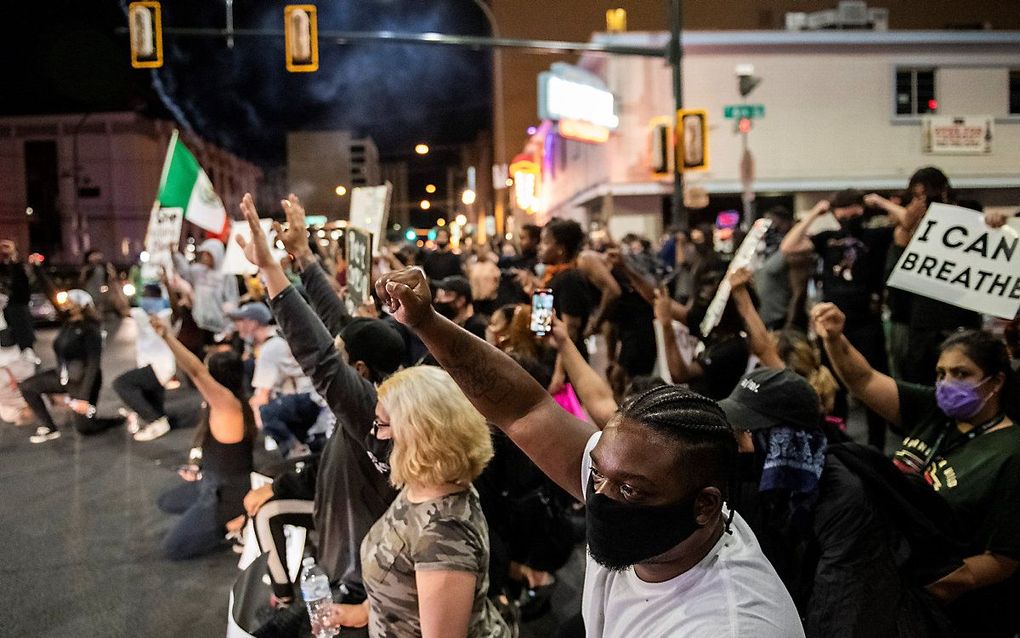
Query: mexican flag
{"x": 185, "y": 185}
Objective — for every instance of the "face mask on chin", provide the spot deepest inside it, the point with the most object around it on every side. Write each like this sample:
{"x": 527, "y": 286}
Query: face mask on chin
{"x": 620, "y": 536}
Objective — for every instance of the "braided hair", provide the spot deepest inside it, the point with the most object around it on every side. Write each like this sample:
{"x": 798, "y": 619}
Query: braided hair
{"x": 707, "y": 446}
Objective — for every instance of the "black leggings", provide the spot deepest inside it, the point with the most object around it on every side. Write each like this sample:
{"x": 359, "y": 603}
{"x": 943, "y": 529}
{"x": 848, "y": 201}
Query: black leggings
{"x": 48, "y": 382}
{"x": 141, "y": 391}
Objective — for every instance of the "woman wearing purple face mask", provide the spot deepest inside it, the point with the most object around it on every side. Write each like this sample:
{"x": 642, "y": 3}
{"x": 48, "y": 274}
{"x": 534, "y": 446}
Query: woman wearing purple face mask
{"x": 960, "y": 436}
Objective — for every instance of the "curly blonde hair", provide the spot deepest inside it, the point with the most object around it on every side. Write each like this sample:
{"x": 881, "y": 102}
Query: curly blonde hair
{"x": 804, "y": 358}
{"x": 438, "y": 436}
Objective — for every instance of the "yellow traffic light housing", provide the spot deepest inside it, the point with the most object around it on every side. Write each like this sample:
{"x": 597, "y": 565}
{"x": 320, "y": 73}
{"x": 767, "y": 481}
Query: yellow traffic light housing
{"x": 145, "y": 26}
{"x": 301, "y": 38}
{"x": 691, "y": 140}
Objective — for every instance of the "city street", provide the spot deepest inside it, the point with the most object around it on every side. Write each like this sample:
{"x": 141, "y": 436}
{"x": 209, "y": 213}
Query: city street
{"x": 80, "y": 552}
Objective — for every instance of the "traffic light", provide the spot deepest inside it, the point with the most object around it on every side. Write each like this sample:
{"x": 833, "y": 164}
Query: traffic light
{"x": 301, "y": 38}
{"x": 691, "y": 140}
{"x": 660, "y": 145}
{"x": 616, "y": 20}
{"x": 145, "y": 27}
{"x": 744, "y": 125}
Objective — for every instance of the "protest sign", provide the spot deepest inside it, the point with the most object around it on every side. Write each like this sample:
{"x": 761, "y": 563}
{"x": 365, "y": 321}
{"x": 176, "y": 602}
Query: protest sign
{"x": 370, "y": 208}
{"x": 956, "y": 258}
{"x": 741, "y": 259}
{"x": 163, "y": 234}
{"x": 359, "y": 267}
{"x": 234, "y": 261}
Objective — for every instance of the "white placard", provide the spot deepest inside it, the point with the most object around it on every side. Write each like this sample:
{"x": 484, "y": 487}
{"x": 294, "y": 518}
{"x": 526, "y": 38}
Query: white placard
{"x": 234, "y": 261}
{"x": 969, "y": 135}
{"x": 742, "y": 259}
{"x": 163, "y": 234}
{"x": 370, "y": 208}
{"x": 956, "y": 258}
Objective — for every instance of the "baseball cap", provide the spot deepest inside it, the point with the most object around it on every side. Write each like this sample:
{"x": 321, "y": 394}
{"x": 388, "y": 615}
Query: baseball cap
{"x": 846, "y": 198}
{"x": 374, "y": 342}
{"x": 768, "y": 397}
{"x": 255, "y": 311}
{"x": 456, "y": 284}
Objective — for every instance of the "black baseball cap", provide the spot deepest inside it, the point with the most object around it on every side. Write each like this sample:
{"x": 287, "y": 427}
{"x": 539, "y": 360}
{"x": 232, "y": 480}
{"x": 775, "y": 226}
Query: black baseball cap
{"x": 457, "y": 285}
{"x": 376, "y": 343}
{"x": 768, "y": 397}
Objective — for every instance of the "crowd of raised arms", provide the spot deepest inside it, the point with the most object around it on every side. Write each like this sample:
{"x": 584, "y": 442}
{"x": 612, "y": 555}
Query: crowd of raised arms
{"x": 452, "y": 442}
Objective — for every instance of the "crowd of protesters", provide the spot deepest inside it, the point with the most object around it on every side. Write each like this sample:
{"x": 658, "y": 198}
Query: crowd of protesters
{"x": 448, "y": 452}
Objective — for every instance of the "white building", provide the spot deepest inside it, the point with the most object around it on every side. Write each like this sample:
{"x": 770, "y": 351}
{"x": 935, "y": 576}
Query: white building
{"x": 321, "y": 162}
{"x": 832, "y": 120}
{"x": 70, "y": 183}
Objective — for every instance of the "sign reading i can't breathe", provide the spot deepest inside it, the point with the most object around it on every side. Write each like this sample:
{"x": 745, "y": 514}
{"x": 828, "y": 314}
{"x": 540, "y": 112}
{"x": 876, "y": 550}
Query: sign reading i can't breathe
{"x": 956, "y": 258}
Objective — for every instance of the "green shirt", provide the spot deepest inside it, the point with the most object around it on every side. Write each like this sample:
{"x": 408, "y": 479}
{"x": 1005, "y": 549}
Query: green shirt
{"x": 979, "y": 478}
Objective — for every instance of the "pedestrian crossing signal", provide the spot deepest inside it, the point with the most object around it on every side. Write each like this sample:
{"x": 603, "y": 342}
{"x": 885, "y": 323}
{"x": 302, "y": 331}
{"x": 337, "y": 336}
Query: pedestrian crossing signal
{"x": 301, "y": 38}
{"x": 691, "y": 140}
{"x": 145, "y": 27}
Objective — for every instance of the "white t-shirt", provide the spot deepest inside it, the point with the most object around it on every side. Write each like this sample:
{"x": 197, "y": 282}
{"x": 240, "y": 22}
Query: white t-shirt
{"x": 277, "y": 370}
{"x": 732, "y": 593}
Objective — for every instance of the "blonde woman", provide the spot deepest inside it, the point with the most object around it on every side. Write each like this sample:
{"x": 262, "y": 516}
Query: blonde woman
{"x": 425, "y": 562}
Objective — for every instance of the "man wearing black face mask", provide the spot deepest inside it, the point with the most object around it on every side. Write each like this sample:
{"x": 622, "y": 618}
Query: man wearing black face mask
{"x": 455, "y": 302}
{"x": 442, "y": 262}
{"x": 852, "y": 276}
{"x": 666, "y": 556}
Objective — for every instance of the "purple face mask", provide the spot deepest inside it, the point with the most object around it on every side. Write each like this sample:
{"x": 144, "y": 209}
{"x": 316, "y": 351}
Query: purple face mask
{"x": 959, "y": 399}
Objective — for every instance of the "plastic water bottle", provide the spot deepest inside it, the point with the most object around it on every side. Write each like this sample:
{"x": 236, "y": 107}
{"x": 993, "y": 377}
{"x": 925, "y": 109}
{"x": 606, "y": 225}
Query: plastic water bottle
{"x": 317, "y": 596}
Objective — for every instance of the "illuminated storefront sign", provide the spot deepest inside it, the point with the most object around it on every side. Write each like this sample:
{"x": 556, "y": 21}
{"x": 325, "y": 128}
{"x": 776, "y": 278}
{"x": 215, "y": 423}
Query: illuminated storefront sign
{"x": 579, "y": 101}
{"x": 526, "y": 184}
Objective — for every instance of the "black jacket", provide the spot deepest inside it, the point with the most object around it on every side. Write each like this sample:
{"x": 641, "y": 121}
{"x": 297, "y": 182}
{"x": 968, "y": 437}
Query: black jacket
{"x": 350, "y": 494}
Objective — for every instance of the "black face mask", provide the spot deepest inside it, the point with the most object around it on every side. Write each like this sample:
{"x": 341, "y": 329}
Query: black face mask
{"x": 379, "y": 451}
{"x": 620, "y": 535}
{"x": 446, "y": 309}
{"x": 854, "y": 225}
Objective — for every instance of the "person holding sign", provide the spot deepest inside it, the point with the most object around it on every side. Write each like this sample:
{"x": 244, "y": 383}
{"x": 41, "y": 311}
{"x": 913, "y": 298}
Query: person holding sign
{"x": 852, "y": 277}
{"x": 961, "y": 438}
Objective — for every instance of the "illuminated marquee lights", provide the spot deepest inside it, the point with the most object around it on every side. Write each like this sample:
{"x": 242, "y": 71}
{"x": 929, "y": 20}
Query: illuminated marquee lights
{"x": 526, "y": 184}
{"x": 583, "y": 131}
{"x": 568, "y": 100}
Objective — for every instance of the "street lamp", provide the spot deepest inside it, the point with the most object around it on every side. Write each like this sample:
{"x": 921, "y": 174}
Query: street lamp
{"x": 421, "y": 149}
{"x": 341, "y": 191}
{"x": 430, "y": 188}
{"x": 468, "y": 197}
{"x": 425, "y": 204}
{"x": 461, "y": 220}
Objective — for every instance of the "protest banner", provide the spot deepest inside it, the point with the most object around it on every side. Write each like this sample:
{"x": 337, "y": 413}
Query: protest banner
{"x": 956, "y": 258}
{"x": 359, "y": 267}
{"x": 370, "y": 209}
{"x": 163, "y": 234}
{"x": 743, "y": 258}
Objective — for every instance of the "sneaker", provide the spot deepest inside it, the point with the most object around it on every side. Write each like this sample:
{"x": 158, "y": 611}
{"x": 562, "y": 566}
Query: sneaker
{"x": 131, "y": 418}
{"x": 43, "y": 434}
{"x": 154, "y": 430}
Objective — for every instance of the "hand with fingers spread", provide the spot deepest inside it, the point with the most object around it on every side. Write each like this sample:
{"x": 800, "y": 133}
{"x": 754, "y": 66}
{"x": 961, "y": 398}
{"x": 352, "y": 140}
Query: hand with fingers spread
{"x": 406, "y": 293}
{"x": 295, "y": 236}
{"x": 828, "y": 321}
{"x": 257, "y": 248}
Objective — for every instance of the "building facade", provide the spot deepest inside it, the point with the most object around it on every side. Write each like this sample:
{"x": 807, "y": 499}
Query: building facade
{"x": 324, "y": 166}
{"x": 77, "y": 182}
{"x": 834, "y": 117}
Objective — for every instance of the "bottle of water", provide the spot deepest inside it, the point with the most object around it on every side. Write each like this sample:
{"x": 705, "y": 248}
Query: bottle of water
{"x": 318, "y": 598}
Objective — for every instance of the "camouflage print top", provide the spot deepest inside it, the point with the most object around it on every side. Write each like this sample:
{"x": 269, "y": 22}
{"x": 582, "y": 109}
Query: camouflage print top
{"x": 446, "y": 534}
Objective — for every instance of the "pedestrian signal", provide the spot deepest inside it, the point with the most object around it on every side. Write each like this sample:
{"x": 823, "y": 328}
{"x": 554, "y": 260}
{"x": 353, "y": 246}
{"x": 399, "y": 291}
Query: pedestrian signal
{"x": 145, "y": 26}
{"x": 301, "y": 38}
{"x": 691, "y": 140}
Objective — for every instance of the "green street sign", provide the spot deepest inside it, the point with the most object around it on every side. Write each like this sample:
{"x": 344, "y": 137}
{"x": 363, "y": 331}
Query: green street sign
{"x": 739, "y": 111}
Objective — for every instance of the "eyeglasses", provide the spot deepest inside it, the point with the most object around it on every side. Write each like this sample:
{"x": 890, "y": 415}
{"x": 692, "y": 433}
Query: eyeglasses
{"x": 376, "y": 424}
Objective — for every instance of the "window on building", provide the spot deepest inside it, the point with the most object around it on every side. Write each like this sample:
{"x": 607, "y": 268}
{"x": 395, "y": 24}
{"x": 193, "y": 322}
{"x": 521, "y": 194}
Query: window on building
{"x": 915, "y": 92}
{"x": 1014, "y": 92}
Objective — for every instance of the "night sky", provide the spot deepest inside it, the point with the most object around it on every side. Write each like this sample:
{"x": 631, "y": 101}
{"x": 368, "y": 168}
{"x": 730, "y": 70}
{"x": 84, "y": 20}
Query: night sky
{"x": 64, "y": 56}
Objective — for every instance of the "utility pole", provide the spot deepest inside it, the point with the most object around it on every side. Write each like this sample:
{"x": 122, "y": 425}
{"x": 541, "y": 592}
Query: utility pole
{"x": 679, "y": 211}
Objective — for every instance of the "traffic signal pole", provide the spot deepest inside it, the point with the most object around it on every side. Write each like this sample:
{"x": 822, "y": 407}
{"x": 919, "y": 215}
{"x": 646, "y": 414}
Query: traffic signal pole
{"x": 676, "y": 56}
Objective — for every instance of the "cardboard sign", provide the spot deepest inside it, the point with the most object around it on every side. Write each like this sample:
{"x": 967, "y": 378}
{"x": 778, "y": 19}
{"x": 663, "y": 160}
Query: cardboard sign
{"x": 163, "y": 234}
{"x": 234, "y": 261}
{"x": 359, "y": 267}
{"x": 370, "y": 208}
{"x": 956, "y": 258}
{"x": 742, "y": 259}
